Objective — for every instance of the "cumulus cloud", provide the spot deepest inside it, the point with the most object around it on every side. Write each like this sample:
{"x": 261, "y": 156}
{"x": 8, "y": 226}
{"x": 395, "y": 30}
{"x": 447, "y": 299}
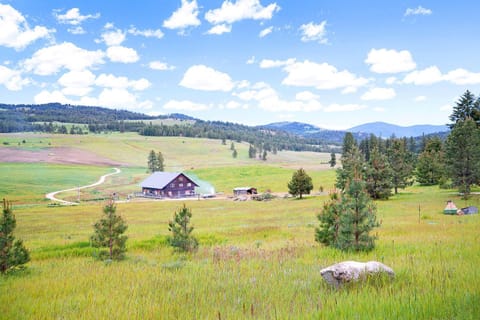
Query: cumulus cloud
{"x": 113, "y": 37}
{"x": 462, "y": 77}
{"x": 265, "y": 32}
{"x": 379, "y": 94}
{"x": 111, "y": 81}
{"x": 185, "y": 105}
{"x": 50, "y": 60}
{"x": 390, "y": 61}
{"x": 418, "y": 11}
{"x": 426, "y": 76}
{"x": 77, "y": 83}
{"x": 12, "y": 79}
{"x": 231, "y": 12}
{"x": 321, "y": 76}
{"x": 148, "y": 33}
{"x": 76, "y": 30}
{"x": 306, "y": 96}
{"x": 267, "y": 63}
{"x": 200, "y": 77}
{"x": 48, "y": 97}
{"x": 314, "y": 32}
{"x": 159, "y": 65}
{"x": 15, "y": 31}
{"x": 220, "y": 29}
{"x": 122, "y": 54}
{"x": 186, "y": 16}
{"x": 73, "y": 17}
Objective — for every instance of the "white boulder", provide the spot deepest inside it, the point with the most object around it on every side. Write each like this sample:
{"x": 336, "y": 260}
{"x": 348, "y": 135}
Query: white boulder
{"x": 349, "y": 271}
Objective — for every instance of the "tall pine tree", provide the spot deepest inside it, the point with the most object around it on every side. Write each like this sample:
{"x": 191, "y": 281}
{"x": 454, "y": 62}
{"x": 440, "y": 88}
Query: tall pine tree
{"x": 467, "y": 107}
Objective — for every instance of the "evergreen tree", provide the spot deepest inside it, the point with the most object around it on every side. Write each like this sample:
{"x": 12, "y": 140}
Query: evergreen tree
{"x": 181, "y": 238}
{"x": 348, "y": 143}
{"x": 152, "y": 161}
{"x": 378, "y": 176}
{"x": 430, "y": 164}
{"x": 232, "y": 146}
{"x": 467, "y": 107}
{"x": 108, "y": 233}
{"x": 357, "y": 219}
{"x": 264, "y": 156}
{"x": 300, "y": 184}
{"x": 333, "y": 160}
{"x": 252, "y": 152}
{"x": 352, "y": 164}
{"x": 401, "y": 163}
{"x": 327, "y": 232}
{"x": 160, "y": 162}
{"x": 463, "y": 155}
{"x": 234, "y": 153}
{"x": 12, "y": 252}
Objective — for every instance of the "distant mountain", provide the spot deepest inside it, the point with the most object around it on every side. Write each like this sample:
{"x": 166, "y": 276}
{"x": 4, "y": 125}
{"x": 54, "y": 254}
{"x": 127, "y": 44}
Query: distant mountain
{"x": 309, "y": 131}
{"x": 386, "y": 130}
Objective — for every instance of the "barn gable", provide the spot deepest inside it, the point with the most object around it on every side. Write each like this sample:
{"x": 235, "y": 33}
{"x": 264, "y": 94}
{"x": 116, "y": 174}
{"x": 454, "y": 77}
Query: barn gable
{"x": 168, "y": 184}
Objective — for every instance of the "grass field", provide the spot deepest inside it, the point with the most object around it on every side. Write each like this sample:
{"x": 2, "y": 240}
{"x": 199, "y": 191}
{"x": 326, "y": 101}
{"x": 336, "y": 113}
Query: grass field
{"x": 256, "y": 259}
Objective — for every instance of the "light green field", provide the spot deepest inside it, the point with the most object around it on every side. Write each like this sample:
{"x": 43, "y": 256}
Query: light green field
{"x": 256, "y": 259}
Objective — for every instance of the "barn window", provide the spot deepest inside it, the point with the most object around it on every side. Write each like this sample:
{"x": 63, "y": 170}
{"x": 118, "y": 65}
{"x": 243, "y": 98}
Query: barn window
{"x": 180, "y": 185}
{"x": 189, "y": 184}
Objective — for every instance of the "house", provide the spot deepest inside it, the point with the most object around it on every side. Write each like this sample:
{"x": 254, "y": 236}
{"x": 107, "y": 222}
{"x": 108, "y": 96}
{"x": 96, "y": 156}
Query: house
{"x": 168, "y": 185}
{"x": 244, "y": 191}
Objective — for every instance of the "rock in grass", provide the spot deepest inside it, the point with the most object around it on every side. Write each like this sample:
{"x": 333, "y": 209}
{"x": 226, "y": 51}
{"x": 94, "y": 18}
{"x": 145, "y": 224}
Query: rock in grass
{"x": 349, "y": 271}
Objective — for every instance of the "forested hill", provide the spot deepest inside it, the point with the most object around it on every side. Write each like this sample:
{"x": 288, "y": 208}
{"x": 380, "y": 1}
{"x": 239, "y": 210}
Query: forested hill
{"x": 58, "y": 118}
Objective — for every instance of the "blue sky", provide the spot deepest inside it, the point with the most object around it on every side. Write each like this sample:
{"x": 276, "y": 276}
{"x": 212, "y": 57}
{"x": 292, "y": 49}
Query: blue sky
{"x": 334, "y": 64}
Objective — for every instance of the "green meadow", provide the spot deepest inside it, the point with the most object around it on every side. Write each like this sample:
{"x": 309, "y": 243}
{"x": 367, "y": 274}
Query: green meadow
{"x": 256, "y": 259}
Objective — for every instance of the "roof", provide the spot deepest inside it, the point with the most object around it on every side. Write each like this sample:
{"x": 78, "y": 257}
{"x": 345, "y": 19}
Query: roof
{"x": 243, "y": 188}
{"x": 159, "y": 180}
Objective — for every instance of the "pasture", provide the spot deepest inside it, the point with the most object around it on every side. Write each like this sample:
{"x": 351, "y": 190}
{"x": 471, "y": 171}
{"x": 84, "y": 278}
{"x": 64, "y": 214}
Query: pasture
{"x": 256, "y": 259}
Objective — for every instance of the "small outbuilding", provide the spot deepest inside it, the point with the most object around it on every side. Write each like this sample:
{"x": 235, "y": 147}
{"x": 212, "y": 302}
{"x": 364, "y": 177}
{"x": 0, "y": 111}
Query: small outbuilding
{"x": 450, "y": 208}
{"x": 244, "y": 191}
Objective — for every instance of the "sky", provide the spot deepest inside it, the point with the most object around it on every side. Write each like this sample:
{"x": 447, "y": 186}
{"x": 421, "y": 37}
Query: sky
{"x": 333, "y": 64}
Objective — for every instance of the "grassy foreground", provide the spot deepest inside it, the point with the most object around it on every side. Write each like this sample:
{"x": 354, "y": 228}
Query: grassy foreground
{"x": 256, "y": 260}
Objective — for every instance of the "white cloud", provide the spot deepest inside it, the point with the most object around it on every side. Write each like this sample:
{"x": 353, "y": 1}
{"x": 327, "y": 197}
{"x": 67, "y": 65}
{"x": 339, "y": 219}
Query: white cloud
{"x": 50, "y": 60}
{"x": 391, "y": 80}
{"x": 148, "y": 33}
{"x": 379, "y": 94}
{"x": 420, "y": 98}
{"x": 426, "y": 76}
{"x": 314, "y": 32}
{"x": 462, "y": 77}
{"x": 306, "y": 96}
{"x": 231, "y": 12}
{"x": 116, "y": 98}
{"x": 220, "y": 29}
{"x": 158, "y": 65}
{"x": 184, "y": 17}
{"x": 200, "y": 77}
{"x": 77, "y": 30}
{"x": 251, "y": 60}
{"x": 15, "y": 31}
{"x": 113, "y": 37}
{"x": 47, "y": 97}
{"x": 122, "y": 54}
{"x": 111, "y": 81}
{"x": 74, "y": 17}
{"x": 185, "y": 105}
{"x": 77, "y": 83}
{"x": 265, "y": 32}
{"x": 321, "y": 76}
{"x": 267, "y": 63}
{"x": 418, "y": 11}
{"x": 12, "y": 79}
{"x": 344, "y": 107}
{"x": 390, "y": 61}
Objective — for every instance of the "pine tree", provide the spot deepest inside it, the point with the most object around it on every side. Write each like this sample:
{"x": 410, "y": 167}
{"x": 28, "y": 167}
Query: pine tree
{"x": 467, "y": 107}
{"x": 463, "y": 155}
{"x": 357, "y": 219}
{"x": 264, "y": 155}
{"x": 401, "y": 163}
{"x": 160, "y": 162}
{"x": 252, "y": 152}
{"x": 300, "y": 184}
{"x": 13, "y": 253}
{"x": 108, "y": 233}
{"x": 378, "y": 176}
{"x": 234, "y": 153}
{"x": 333, "y": 160}
{"x": 352, "y": 163}
{"x": 430, "y": 164}
{"x": 232, "y": 146}
{"x": 152, "y": 161}
{"x": 181, "y": 238}
{"x": 327, "y": 232}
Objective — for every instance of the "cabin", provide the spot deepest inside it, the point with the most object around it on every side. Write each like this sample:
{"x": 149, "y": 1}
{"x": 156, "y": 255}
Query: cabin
{"x": 244, "y": 191}
{"x": 168, "y": 185}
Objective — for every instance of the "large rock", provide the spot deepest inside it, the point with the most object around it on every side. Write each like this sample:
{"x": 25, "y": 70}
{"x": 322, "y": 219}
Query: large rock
{"x": 349, "y": 271}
